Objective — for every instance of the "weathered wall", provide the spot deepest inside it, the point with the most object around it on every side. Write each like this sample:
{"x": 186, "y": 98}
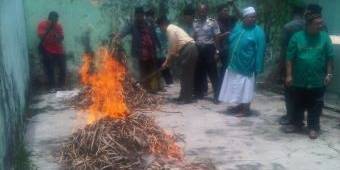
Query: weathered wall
{"x": 77, "y": 18}
{"x": 14, "y": 76}
{"x": 332, "y": 19}
{"x": 99, "y": 17}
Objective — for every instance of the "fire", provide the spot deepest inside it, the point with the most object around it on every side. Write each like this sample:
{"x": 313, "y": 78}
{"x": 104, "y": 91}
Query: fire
{"x": 170, "y": 150}
{"x": 106, "y": 86}
{"x": 105, "y": 82}
{"x": 85, "y": 69}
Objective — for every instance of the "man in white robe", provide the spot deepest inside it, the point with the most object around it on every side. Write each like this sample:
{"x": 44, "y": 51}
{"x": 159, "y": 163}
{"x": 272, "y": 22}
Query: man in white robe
{"x": 247, "y": 47}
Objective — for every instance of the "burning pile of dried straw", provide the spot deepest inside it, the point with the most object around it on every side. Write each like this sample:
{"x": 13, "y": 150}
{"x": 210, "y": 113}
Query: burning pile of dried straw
{"x": 136, "y": 98}
{"x": 119, "y": 144}
{"x": 116, "y": 137}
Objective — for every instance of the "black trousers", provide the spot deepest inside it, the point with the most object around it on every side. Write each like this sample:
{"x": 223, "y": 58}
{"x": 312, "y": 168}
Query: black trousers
{"x": 224, "y": 58}
{"x": 206, "y": 66}
{"x": 51, "y": 62}
{"x": 148, "y": 67}
{"x": 310, "y": 100}
{"x": 187, "y": 61}
{"x": 166, "y": 74}
{"x": 289, "y": 101}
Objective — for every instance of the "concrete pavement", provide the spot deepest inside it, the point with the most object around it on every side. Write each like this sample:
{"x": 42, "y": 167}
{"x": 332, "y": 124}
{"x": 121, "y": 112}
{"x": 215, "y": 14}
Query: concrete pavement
{"x": 250, "y": 143}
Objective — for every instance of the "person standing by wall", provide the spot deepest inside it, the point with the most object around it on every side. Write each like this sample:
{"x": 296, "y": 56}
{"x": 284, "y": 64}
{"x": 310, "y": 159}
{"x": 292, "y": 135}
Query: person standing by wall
{"x": 296, "y": 25}
{"x": 247, "y": 47}
{"x": 188, "y": 16}
{"x": 226, "y": 22}
{"x": 182, "y": 47}
{"x": 292, "y": 27}
{"x": 310, "y": 58}
{"x": 205, "y": 33}
{"x": 51, "y": 48}
{"x": 163, "y": 43}
{"x": 316, "y": 9}
{"x": 144, "y": 46}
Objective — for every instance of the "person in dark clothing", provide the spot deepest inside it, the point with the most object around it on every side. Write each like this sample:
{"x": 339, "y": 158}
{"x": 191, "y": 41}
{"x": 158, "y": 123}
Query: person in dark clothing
{"x": 226, "y": 23}
{"x": 313, "y": 8}
{"x": 292, "y": 27}
{"x": 309, "y": 66}
{"x": 51, "y": 48}
{"x": 316, "y": 9}
{"x": 144, "y": 46}
{"x": 161, "y": 51}
{"x": 205, "y": 33}
{"x": 188, "y": 16}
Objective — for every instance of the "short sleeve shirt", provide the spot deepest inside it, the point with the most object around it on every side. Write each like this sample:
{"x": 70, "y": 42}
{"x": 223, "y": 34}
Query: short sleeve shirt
{"x": 309, "y": 56}
{"x": 206, "y": 31}
{"x": 51, "y": 43}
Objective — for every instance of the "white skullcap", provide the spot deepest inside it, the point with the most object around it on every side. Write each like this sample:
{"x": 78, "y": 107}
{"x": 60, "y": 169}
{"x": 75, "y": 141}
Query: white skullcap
{"x": 248, "y": 11}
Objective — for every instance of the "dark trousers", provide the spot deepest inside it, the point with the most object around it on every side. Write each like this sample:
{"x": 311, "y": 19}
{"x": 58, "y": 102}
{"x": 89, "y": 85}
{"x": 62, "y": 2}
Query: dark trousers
{"x": 289, "y": 101}
{"x": 310, "y": 100}
{"x": 166, "y": 74}
{"x": 224, "y": 58}
{"x": 51, "y": 62}
{"x": 187, "y": 61}
{"x": 206, "y": 66}
{"x": 148, "y": 67}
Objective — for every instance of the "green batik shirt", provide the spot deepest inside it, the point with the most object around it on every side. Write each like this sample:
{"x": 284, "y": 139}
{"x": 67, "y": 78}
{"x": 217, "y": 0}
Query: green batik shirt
{"x": 309, "y": 56}
{"x": 247, "y": 50}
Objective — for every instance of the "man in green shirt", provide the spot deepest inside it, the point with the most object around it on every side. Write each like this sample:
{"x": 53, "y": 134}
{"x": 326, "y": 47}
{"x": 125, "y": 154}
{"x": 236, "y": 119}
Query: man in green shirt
{"x": 309, "y": 70}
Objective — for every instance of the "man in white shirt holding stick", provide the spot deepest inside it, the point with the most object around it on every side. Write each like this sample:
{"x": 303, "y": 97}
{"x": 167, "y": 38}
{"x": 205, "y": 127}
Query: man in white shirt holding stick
{"x": 183, "y": 47}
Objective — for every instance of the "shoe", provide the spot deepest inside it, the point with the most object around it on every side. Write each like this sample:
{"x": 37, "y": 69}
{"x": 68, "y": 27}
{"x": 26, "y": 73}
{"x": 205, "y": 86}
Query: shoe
{"x": 243, "y": 112}
{"x": 242, "y": 115}
{"x": 52, "y": 90}
{"x": 216, "y": 101}
{"x": 169, "y": 83}
{"x": 177, "y": 99}
{"x": 162, "y": 90}
{"x": 292, "y": 129}
{"x": 313, "y": 134}
{"x": 233, "y": 110}
{"x": 284, "y": 120}
{"x": 182, "y": 102}
{"x": 199, "y": 97}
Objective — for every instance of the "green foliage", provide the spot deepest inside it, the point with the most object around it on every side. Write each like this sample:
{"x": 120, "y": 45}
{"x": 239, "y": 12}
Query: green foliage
{"x": 20, "y": 155}
{"x": 273, "y": 15}
{"x": 21, "y": 158}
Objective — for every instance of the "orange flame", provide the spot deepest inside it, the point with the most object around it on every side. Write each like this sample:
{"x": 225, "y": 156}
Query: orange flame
{"x": 84, "y": 70}
{"x": 106, "y": 85}
{"x": 170, "y": 149}
{"x": 105, "y": 81}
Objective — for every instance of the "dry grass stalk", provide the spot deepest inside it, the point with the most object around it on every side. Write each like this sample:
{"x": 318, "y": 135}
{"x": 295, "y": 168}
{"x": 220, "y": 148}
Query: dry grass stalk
{"x": 119, "y": 144}
{"x": 132, "y": 143}
{"x": 137, "y": 99}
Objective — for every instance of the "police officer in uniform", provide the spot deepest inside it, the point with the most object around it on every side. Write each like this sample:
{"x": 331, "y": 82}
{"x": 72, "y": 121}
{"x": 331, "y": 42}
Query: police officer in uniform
{"x": 206, "y": 31}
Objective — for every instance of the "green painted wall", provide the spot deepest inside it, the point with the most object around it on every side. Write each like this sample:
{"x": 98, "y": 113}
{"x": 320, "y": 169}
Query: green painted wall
{"x": 99, "y": 17}
{"x": 77, "y": 18}
{"x": 14, "y": 76}
{"x": 332, "y": 19}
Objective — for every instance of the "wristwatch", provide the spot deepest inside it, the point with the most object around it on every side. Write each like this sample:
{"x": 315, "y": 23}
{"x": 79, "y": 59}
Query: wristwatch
{"x": 330, "y": 75}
